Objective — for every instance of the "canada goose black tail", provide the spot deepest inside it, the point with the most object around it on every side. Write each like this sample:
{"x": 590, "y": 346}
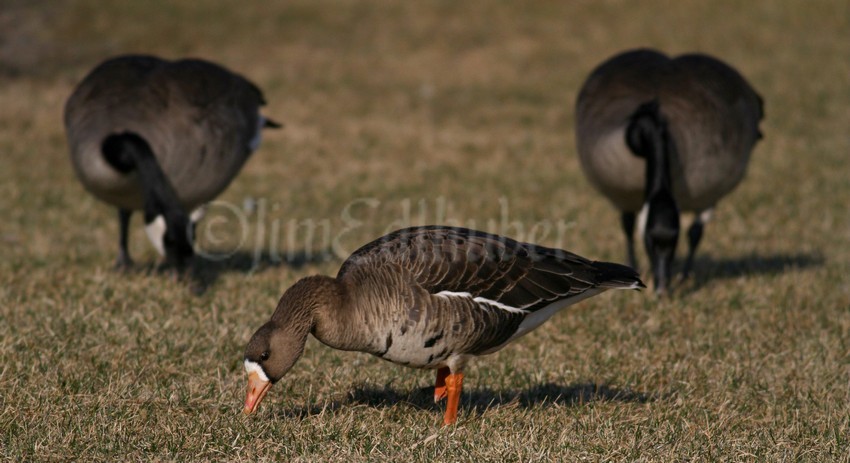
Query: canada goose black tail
{"x": 271, "y": 124}
{"x": 647, "y": 136}
{"x": 167, "y": 223}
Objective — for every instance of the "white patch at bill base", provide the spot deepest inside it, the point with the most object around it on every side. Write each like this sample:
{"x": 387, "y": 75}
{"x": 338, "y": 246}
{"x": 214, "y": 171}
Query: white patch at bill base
{"x": 254, "y": 367}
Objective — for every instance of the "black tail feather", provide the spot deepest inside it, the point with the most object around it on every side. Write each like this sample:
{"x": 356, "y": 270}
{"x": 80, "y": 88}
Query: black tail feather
{"x": 272, "y": 124}
{"x": 613, "y": 275}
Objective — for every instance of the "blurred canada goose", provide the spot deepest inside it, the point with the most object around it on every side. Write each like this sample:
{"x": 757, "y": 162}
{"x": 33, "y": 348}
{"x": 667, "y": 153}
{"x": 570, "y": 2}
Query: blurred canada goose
{"x": 162, "y": 136}
{"x": 660, "y": 135}
{"x": 428, "y": 297}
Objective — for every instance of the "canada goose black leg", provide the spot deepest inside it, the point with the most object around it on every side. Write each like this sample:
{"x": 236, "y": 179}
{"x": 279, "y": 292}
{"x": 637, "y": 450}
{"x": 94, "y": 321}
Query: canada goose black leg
{"x": 694, "y": 237}
{"x": 124, "y": 262}
{"x": 627, "y": 220}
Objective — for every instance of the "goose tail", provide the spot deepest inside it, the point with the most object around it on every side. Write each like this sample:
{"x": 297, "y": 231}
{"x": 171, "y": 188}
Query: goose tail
{"x": 271, "y": 124}
{"x": 617, "y": 276}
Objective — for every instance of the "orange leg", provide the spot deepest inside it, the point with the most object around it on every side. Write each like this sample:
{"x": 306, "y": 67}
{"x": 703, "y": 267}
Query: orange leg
{"x": 440, "y": 386}
{"x": 454, "y": 384}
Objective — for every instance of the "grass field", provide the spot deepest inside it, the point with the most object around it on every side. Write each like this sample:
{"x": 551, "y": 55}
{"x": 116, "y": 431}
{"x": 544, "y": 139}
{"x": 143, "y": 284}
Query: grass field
{"x": 403, "y": 113}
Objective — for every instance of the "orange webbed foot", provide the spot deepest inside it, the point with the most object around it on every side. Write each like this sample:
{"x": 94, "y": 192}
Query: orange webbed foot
{"x": 454, "y": 385}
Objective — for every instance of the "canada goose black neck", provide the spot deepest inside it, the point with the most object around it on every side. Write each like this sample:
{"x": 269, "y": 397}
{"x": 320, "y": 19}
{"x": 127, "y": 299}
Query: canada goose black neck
{"x": 128, "y": 152}
{"x": 648, "y": 137}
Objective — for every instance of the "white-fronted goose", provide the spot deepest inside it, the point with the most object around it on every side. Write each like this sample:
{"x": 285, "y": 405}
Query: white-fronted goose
{"x": 660, "y": 135}
{"x": 162, "y": 136}
{"x": 427, "y": 297}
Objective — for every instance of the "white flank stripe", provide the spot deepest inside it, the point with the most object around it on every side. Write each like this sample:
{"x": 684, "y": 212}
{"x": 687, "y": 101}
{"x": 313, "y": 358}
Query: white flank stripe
{"x": 254, "y": 367}
{"x": 448, "y": 294}
{"x": 505, "y": 307}
{"x": 482, "y": 300}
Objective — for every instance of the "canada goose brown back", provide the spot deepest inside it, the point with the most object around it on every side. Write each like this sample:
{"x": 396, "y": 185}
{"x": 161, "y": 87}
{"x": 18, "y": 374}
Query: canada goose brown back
{"x": 198, "y": 121}
{"x": 710, "y": 117}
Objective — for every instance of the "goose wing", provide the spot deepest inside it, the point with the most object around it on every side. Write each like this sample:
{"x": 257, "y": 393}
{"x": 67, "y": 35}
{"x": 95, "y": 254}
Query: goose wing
{"x": 490, "y": 268}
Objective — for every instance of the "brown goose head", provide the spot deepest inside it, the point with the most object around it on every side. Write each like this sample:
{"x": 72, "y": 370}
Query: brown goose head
{"x": 278, "y": 344}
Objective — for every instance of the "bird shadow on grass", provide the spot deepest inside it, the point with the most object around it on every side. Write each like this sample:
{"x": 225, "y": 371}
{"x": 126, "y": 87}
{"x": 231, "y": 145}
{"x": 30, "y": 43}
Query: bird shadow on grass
{"x": 209, "y": 268}
{"x": 707, "y": 268}
{"x": 479, "y": 400}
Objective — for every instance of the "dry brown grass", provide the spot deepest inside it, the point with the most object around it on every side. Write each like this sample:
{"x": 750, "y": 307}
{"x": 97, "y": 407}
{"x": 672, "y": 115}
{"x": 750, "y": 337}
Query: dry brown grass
{"x": 455, "y": 104}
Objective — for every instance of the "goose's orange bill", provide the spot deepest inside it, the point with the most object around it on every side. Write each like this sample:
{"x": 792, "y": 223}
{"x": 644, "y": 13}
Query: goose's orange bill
{"x": 257, "y": 389}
